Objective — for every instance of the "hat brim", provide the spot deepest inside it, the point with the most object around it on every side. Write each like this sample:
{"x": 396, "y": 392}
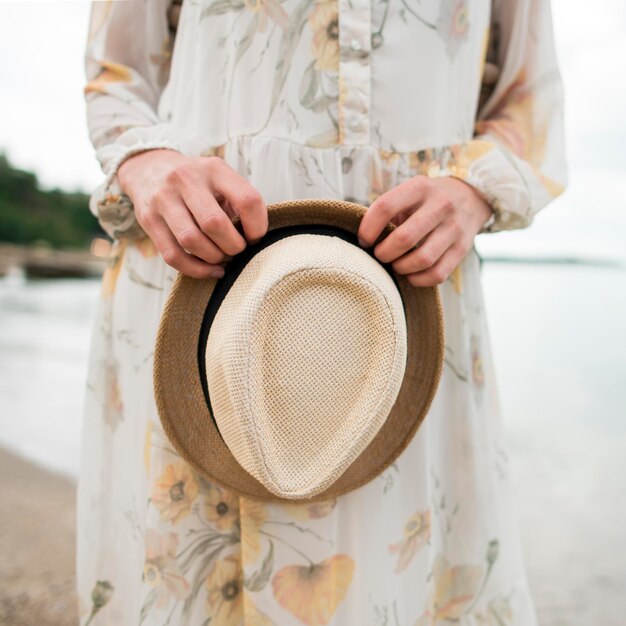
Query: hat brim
{"x": 180, "y": 400}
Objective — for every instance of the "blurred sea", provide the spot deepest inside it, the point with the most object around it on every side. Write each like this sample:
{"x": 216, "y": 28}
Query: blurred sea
{"x": 558, "y": 335}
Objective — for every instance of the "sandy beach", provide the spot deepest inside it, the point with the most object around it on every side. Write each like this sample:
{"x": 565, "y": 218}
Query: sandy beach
{"x": 37, "y": 528}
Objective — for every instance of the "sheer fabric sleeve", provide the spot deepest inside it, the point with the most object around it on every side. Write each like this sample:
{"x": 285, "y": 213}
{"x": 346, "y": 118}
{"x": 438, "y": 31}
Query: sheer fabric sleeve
{"x": 127, "y": 63}
{"x": 516, "y": 158}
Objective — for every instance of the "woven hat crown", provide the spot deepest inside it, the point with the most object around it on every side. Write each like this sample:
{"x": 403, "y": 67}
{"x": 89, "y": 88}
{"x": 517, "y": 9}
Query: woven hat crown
{"x": 304, "y": 360}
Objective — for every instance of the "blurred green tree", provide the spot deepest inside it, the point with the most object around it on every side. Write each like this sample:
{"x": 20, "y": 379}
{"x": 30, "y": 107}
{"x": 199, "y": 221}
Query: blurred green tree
{"x": 29, "y": 214}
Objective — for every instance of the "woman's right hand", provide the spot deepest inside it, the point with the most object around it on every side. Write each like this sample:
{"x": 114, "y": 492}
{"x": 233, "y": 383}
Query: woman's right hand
{"x": 186, "y": 205}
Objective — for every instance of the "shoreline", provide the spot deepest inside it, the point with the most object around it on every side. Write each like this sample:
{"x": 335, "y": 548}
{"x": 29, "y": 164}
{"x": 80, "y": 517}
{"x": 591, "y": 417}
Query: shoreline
{"x": 43, "y": 261}
{"x": 37, "y": 544}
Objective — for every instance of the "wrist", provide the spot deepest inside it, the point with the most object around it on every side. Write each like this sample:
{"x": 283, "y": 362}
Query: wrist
{"x": 139, "y": 164}
{"x": 482, "y": 209}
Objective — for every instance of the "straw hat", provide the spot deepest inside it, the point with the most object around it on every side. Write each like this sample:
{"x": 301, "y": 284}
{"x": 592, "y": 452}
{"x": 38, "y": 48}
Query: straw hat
{"x": 307, "y": 368}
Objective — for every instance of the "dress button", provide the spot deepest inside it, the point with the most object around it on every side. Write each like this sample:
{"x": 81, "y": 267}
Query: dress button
{"x": 355, "y": 44}
{"x": 354, "y": 123}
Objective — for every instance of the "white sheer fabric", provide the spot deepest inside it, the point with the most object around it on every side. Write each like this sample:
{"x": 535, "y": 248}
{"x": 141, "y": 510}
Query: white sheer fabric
{"x": 336, "y": 98}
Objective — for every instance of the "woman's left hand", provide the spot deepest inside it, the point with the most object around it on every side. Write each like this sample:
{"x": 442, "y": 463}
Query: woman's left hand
{"x": 442, "y": 214}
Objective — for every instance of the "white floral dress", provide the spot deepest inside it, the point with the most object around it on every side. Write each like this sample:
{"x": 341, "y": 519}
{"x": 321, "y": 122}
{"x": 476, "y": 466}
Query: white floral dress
{"x": 308, "y": 98}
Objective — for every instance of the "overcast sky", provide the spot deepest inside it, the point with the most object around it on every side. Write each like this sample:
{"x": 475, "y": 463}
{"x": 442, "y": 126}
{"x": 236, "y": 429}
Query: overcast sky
{"x": 43, "y": 126}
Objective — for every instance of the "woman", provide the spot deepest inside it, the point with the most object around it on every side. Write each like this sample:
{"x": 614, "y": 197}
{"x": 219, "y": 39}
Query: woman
{"x": 444, "y": 117}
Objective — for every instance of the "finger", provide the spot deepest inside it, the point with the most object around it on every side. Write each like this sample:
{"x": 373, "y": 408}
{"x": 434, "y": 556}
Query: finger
{"x": 186, "y": 231}
{"x": 192, "y": 180}
{"x": 440, "y": 271}
{"x": 429, "y": 250}
{"x": 174, "y": 254}
{"x": 407, "y": 194}
{"x": 213, "y": 221}
{"x": 244, "y": 199}
{"x": 416, "y": 227}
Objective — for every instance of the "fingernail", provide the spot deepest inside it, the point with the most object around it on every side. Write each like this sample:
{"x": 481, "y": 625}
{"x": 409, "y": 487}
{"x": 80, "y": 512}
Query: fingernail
{"x": 218, "y": 273}
{"x": 227, "y": 257}
{"x": 362, "y": 243}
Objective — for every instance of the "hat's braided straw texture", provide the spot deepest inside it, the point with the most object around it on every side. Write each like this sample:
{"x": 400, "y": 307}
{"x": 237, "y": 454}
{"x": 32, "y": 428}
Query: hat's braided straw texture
{"x": 304, "y": 360}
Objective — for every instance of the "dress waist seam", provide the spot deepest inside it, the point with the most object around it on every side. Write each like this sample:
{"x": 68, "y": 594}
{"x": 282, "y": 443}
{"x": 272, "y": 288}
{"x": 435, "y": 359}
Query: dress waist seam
{"x": 248, "y": 136}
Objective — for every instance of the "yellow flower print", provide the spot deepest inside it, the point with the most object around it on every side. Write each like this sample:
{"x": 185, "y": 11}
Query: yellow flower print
{"x": 254, "y": 616}
{"x": 146, "y": 247}
{"x": 253, "y": 516}
{"x": 478, "y": 374}
{"x": 554, "y": 188}
{"x": 463, "y": 155}
{"x": 324, "y": 21}
{"x": 512, "y": 120}
{"x": 342, "y": 97}
{"x": 147, "y": 446}
{"x": 113, "y": 405}
{"x": 484, "y": 47}
{"x": 348, "y": 100}
{"x": 388, "y": 156}
{"x": 514, "y": 131}
{"x": 221, "y": 507}
{"x": 430, "y": 161}
{"x": 312, "y": 592}
{"x": 380, "y": 181}
{"x": 271, "y": 9}
{"x": 517, "y": 123}
{"x": 113, "y": 267}
{"x": 416, "y": 534}
{"x": 415, "y": 163}
{"x": 218, "y": 151}
{"x": 457, "y": 278}
{"x": 308, "y": 511}
{"x": 453, "y": 590}
{"x": 224, "y": 603}
{"x": 174, "y": 491}
{"x": 110, "y": 72}
{"x": 161, "y": 571}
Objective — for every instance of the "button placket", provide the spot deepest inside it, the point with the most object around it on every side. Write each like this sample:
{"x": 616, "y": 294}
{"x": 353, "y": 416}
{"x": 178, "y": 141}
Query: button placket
{"x": 354, "y": 71}
{"x": 356, "y": 44}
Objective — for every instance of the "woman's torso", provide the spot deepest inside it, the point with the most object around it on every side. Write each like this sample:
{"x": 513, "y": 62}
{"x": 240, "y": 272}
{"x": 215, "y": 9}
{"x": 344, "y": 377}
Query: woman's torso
{"x": 400, "y": 76}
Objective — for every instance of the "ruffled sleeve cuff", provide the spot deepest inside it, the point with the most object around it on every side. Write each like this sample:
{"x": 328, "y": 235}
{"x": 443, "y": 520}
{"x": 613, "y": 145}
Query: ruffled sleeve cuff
{"x": 108, "y": 203}
{"x": 514, "y": 189}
